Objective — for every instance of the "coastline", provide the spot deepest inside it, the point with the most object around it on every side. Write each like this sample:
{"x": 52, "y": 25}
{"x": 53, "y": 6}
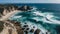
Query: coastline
{"x": 6, "y": 14}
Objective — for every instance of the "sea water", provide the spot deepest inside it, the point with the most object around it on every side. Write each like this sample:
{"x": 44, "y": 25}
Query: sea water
{"x": 43, "y": 16}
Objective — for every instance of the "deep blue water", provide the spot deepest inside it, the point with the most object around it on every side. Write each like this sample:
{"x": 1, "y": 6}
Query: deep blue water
{"x": 43, "y": 16}
{"x": 42, "y": 5}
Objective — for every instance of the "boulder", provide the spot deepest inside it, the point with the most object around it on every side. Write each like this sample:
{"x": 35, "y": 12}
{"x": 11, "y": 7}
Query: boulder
{"x": 37, "y": 31}
{"x": 33, "y": 26}
{"x": 26, "y": 32}
{"x": 32, "y": 30}
{"x": 25, "y": 26}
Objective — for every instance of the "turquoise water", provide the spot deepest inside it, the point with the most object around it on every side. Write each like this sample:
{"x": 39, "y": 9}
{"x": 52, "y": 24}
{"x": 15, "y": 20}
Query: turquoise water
{"x": 43, "y": 19}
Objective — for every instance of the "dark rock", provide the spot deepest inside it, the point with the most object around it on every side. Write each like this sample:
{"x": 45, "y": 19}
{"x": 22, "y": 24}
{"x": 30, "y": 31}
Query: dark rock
{"x": 32, "y": 30}
{"x": 17, "y": 23}
{"x": 37, "y": 31}
{"x": 33, "y": 26}
{"x": 10, "y": 31}
{"x": 26, "y": 32}
{"x": 1, "y": 11}
{"x": 25, "y": 26}
{"x": 20, "y": 31}
{"x": 7, "y": 24}
{"x": 48, "y": 31}
{"x": 25, "y": 23}
{"x": 1, "y": 26}
{"x": 25, "y": 8}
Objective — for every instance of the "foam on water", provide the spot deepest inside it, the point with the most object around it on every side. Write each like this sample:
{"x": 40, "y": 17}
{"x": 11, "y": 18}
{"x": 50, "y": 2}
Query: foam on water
{"x": 45, "y": 17}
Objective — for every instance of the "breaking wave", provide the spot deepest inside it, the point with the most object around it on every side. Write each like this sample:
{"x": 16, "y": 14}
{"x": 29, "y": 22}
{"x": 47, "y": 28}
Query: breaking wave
{"x": 42, "y": 20}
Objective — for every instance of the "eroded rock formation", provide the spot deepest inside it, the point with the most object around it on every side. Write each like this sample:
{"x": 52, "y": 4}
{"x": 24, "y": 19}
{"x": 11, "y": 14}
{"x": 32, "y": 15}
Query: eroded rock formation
{"x": 8, "y": 27}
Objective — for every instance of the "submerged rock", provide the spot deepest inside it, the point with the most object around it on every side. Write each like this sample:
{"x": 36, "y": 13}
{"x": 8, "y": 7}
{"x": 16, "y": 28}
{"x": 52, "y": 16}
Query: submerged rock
{"x": 33, "y": 26}
{"x": 25, "y": 23}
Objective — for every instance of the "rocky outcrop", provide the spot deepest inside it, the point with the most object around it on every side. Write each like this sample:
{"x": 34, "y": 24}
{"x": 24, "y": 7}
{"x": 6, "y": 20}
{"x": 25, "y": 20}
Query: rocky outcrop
{"x": 12, "y": 27}
{"x": 1, "y": 26}
{"x": 18, "y": 27}
{"x": 9, "y": 27}
{"x": 37, "y": 31}
{"x": 32, "y": 30}
{"x": 8, "y": 8}
{"x": 25, "y": 8}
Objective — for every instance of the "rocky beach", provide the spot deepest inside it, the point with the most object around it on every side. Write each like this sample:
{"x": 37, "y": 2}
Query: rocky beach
{"x": 13, "y": 27}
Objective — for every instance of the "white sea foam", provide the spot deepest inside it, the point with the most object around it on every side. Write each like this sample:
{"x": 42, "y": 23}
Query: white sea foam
{"x": 17, "y": 17}
{"x": 38, "y": 13}
{"x": 48, "y": 16}
{"x": 36, "y": 26}
{"x": 53, "y": 21}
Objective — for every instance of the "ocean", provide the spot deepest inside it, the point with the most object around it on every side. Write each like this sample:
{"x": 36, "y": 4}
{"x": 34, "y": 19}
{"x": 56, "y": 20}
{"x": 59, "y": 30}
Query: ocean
{"x": 45, "y": 17}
